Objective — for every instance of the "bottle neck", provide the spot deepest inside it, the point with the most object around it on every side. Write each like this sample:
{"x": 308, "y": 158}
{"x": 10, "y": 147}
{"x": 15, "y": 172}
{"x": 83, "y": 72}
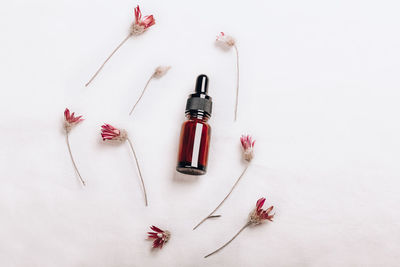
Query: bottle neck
{"x": 197, "y": 115}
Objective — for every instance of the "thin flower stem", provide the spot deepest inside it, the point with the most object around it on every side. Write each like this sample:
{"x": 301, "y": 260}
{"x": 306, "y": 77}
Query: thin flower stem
{"x": 140, "y": 173}
{"x": 237, "y": 80}
{"x": 226, "y": 197}
{"x": 73, "y": 161}
{"x": 104, "y": 63}
{"x": 227, "y": 243}
{"x": 140, "y": 97}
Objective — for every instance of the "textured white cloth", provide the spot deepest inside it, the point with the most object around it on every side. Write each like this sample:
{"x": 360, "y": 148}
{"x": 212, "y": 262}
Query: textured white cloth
{"x": 319, "y": 91}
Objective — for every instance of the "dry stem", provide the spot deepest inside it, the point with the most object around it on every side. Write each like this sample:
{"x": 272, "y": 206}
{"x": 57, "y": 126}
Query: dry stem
{"x": 140, "y": 173}
{"x": 227, "y": 243}
{"x": 220, "y": 204}
{"x": 237, "y": 80}
{"x": 144, "y": 89}
{"x": 72, "y": 158}
{"x": 108, "y": 58}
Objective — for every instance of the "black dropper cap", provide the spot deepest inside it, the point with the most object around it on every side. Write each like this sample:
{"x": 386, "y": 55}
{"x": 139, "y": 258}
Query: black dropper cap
{"x": 200, "y": 102}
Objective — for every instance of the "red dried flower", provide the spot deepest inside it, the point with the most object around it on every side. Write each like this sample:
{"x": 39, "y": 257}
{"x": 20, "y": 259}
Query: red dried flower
{"x": 258, "y": 215}
{"x": 146, "y": 22}
{"x": 109, "y": 132}
{"x": 248, "y": 147}
{"x": 160, "y": 236}
{"x": 70, "y": 119}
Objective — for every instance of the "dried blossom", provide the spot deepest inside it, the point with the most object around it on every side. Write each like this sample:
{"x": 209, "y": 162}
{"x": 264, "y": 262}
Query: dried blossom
{"x": 139, "y": 26}
{"x": 256, "y": 217}
{"x": 247, "y": 145}
{"x": 110, "y": 133}
{"x": 70, "y": 121}
{"x": 226, "y": 42}
{"x": 160, "y": 236}
{"x": 158, "y": 73}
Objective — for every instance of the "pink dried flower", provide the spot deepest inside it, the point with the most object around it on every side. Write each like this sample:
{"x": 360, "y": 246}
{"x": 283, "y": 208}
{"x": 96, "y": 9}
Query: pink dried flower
{"x": 110, "y": 133}
{"x": 160, "y": 236}
{"x": 247, "y": 144}
{"x": 140, "y": 24}
{"x": 248, "y": 147}
{"x": 138, "y": 27}
{"x": 158, "y": 73}
{"x": 257, "y": 216}
{"x": 226, "y": 42}
{"x": 70, "y": 121}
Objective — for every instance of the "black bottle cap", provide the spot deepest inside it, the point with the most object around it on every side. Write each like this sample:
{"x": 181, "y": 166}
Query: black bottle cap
{"x": 200, "y": 102}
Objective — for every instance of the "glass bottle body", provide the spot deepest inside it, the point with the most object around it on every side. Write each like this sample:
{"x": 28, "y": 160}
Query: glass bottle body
{"x": 194, "y": 144}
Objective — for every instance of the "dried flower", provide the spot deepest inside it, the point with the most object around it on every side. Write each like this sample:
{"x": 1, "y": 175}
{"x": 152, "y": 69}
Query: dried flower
{"x": 248, "y": 147}
{"x": 158, "y": 73}
{"x": 110, "y": 133}
{"x": 257, "y": 216}
{"x": 247, "y": 144}
{"x": 160, "y": 236}
{"x": 227, "y": 41}
{"x": 70, "y": 121}
{"x": 139, "y": 26}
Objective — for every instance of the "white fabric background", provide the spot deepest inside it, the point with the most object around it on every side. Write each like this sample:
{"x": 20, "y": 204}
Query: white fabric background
{"x": 319, "y": 92}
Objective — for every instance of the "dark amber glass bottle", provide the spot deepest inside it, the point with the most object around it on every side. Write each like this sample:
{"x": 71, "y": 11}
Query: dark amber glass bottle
{"x": 195, "y": 134}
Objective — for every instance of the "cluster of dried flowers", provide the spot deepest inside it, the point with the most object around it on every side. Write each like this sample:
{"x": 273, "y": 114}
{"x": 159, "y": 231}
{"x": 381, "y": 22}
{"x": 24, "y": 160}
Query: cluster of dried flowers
{"x": 110, "y": 133}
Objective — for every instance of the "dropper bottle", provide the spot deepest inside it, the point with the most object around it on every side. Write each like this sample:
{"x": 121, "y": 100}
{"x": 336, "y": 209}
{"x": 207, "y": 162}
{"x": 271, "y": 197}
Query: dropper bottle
{"x": 195, "y": 134}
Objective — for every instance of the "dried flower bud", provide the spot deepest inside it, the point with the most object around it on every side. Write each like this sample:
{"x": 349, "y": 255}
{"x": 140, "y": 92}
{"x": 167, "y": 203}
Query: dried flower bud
{"x": 160, "y": 236}
{"x": 248, "y": 147}
{"x": 258, "y": 215}
{"x": 70, "y": 120}
{"x": 109, "y": 132}
{"x": 226, "y": 41}
{"x": 161, "y": 71}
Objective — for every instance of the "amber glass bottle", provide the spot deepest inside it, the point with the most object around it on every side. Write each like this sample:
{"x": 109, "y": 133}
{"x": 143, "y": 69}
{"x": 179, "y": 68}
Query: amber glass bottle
{"x": 195, "y": 134}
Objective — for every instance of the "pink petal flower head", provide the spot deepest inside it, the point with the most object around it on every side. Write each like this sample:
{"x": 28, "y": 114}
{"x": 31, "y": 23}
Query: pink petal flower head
{"x": 258, "y": 215}
{"x": 160, "y": 236}
{"x": 226, "y": 41}
{"x": 141, "y": 25}
{"x": 109, "y": 132}
{"x": 161, "y": 71}
{"x": 248, "y": 147}
{"x": 70, "y": 120}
